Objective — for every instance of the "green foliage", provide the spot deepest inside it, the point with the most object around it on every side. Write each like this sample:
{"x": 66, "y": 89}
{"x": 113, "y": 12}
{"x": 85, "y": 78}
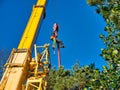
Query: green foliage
{"x": 57, "y": 79}
{"x": 79, "y": 78}
{"x": 110, "y": 11}
{"x": 94, "y": 2}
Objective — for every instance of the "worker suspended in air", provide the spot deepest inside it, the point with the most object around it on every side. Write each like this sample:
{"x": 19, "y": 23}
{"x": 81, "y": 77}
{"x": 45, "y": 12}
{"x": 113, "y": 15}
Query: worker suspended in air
{"x": 54, "y": 38}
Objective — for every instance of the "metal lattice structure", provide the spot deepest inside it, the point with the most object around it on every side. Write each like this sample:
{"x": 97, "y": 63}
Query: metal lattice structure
{"x": 39, "y": 68}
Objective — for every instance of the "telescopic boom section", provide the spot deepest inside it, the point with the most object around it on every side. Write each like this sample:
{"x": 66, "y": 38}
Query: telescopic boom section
{"x": 32, "y": 26}
{"x": 17, "y": 65}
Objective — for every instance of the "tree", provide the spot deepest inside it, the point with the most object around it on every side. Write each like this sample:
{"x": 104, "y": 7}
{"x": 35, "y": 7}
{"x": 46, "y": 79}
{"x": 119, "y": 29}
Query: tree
{"x": 110, "y": 11}
{"x": 78, "y": 78}
{"x": 59, "y": 79}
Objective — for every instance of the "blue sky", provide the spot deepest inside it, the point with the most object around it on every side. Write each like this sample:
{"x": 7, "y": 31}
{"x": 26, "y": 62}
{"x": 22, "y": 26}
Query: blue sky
{"x": 79, "y": 29}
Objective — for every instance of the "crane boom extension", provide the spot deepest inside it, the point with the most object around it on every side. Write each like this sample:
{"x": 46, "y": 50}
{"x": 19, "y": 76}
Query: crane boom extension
{"x": 17, "y": 65}
{"x": 33, "y": 23}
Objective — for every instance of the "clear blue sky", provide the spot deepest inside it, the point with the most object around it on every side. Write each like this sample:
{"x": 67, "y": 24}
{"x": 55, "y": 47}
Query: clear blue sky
{"x": 79, "y": 29}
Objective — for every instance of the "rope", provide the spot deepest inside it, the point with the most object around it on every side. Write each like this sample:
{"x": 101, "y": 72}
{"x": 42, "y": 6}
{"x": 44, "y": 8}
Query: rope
{"x": 55, "y": 10}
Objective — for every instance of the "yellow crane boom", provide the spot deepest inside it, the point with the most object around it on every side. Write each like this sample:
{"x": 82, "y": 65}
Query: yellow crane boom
{"x": 17, "y": 65}
{"x": 33, "y": 23}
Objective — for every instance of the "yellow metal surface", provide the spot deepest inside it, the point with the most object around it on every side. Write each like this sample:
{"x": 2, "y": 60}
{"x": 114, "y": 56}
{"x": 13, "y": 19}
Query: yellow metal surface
{"x": 32, "y": 26}
{"x": 16, "y": 70}
{"x": 18, "y": 64}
